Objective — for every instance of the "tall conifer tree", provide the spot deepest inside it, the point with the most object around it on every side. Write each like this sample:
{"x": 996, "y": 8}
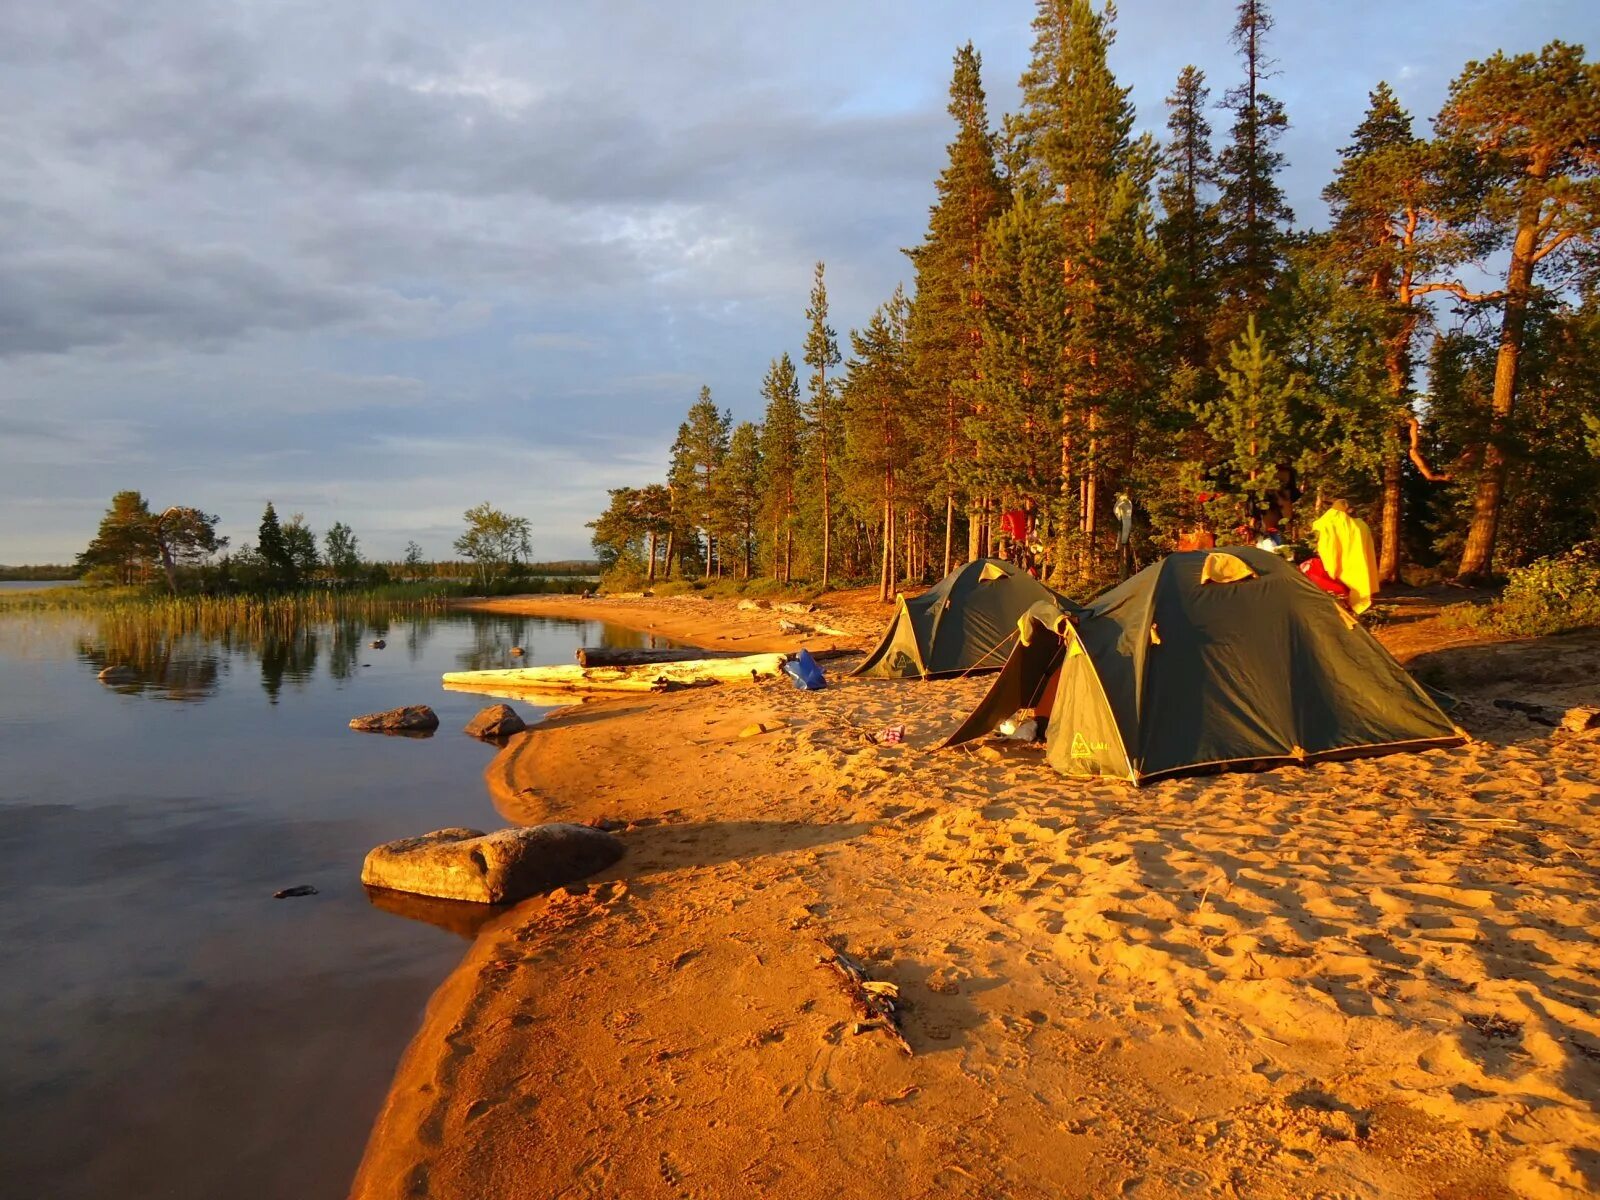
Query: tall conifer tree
{"x": 1189, "y": 228}
{"x": 705, "y": 448}
{"x": 1074, "y": 133}
{"x": 1253, "y": 211}
{"x": 877, "y": 403}
{"x": 825, "y": 433}
{"x": 1390, "y": 245}
{"x": 1526, "y": 125}
{"x": 947, "y": 315}
{"x": 782, "y": 442}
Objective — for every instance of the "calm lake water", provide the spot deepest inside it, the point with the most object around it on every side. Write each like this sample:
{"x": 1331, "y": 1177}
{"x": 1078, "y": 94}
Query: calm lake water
{"x": 167, "y": 1028}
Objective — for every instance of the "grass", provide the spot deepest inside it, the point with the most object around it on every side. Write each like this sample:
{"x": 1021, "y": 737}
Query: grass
{"x": 213, "y": 614}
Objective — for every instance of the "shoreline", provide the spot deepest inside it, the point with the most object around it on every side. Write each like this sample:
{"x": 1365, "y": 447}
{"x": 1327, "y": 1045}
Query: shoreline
{"x": 1368, "y": 978}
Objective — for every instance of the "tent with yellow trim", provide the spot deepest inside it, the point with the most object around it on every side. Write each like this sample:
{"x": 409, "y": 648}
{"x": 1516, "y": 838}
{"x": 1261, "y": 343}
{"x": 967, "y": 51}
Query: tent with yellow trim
{"x": 966, "y": 622}
{"x": 1208, "y": 659}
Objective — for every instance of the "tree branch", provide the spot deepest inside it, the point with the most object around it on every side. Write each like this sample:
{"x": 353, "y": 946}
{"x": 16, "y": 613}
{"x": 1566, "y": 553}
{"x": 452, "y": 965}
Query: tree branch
{"x": 1458, "y": 290}
{"x": 1554, "y": 244}
{"x": 1415, "y": 452}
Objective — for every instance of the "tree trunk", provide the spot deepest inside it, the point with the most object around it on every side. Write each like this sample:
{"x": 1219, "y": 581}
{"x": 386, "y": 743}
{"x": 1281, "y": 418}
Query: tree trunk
{"x": 650, "y": 571}
{"x": 1389, "y": 534}
{"x": 1091, "y": 484}
{"x": 1477, "y": 557}
{"x": 888, "y": 541}
{"x": 949, "y": 526}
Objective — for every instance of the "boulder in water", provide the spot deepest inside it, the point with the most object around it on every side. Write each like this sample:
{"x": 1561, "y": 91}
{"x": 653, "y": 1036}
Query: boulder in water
{"x": 121, "y": 673}
{"x": 413, "y": 718}
{"x": 496, "y": 721}
{"x": 378, "y": 644}
{"x": 493, "y": 868}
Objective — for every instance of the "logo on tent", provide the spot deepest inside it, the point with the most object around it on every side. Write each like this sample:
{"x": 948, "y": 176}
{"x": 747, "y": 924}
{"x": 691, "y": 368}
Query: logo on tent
{"x": 1083, "y": 748}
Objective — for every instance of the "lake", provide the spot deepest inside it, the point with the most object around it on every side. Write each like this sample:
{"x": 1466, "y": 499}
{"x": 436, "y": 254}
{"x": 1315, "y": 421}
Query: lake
{"x": 167, "y": 1027}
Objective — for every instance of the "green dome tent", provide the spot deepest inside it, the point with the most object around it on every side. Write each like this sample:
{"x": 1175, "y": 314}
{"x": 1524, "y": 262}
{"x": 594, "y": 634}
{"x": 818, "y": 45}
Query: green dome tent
{"x": 965, "y": 622}
{"x": 1208, "y": 660}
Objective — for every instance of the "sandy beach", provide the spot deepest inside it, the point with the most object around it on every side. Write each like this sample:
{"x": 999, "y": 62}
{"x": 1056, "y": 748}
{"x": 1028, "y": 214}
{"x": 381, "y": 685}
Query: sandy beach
{"x": 1367, "y": 979}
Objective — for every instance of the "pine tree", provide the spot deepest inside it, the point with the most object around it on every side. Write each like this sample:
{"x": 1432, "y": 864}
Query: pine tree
{"x": 1252, "y": 209}
{"x": 1524, "y": 127}
{"x": 683, "y": 537}
{"x": 824, "y": 433}
{"x": 877, "y": 401}
{"x": 782, "y": 439}
{"x": 738, "y": 487}
{"x": 654, "y": 516}
{"x": 1074, "y": 133}
{"x": 122, "y": 545}
{"x": 947, "y": 315}
{"x": 1389, "y": 244}
{"x": 705, "y": 447}
{"x": 1014, "y": 426}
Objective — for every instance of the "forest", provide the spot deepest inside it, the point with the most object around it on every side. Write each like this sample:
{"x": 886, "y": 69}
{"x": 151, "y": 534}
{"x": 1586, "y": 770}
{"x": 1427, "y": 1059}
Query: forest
{"x": 1097, "y": 314}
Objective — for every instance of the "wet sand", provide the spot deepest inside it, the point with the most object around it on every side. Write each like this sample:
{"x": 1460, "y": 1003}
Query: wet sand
{"x": 1365, "y": 979}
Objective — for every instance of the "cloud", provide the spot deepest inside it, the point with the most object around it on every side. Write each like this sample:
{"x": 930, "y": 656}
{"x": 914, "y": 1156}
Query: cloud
{"x": 380, "y": 261}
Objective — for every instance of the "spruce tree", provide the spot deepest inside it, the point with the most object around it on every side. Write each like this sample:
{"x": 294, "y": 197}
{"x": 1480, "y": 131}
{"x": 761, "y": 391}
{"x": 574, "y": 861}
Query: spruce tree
{"x": 824, "y": 432}
{"x": 782, "y": 439}
{"x": 274, "y": 550}
{"x": 1253, "y": 417}
{"x": 947, "y": 316}
{"x": 1189, "y": 228}
{"x": 1253, "y": 212}
{"x": 1523, "y": 127}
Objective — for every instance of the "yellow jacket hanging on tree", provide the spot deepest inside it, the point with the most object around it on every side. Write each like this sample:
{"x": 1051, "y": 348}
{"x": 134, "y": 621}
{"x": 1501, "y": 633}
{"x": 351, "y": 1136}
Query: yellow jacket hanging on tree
{"x": 1344, "y": 544}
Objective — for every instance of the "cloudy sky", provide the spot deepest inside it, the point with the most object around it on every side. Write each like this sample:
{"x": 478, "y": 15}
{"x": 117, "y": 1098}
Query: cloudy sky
{"x": 380, "y": 262}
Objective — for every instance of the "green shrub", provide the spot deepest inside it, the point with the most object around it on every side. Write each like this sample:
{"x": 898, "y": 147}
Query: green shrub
{"x": 1549, "y": 595}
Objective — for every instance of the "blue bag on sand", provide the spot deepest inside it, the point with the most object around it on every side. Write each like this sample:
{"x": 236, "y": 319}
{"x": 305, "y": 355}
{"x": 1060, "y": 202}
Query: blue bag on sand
{"x": 803, "y": 669}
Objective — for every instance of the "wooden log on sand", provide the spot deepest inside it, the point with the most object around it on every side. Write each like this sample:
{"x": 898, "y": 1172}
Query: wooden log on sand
{"x": 649, "y": 678}
{"x": 608, "y": 656}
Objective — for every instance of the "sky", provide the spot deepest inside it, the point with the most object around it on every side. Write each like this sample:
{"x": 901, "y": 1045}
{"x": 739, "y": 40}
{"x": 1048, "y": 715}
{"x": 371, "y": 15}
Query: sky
{"x": 379, "y": 262}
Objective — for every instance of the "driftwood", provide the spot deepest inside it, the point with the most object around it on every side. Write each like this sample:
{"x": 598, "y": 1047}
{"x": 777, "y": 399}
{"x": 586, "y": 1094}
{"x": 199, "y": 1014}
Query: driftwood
{"x": 605, "y": 656}
{"x": 1544, "y": 714}
{"x": 650, "y": 678}
{"x": 608, "y": 656}
{"x": 876, "y": 1002}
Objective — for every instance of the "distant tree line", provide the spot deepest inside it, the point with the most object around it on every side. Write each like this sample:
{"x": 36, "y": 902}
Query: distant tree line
{"x": 42, "y": 572}
{"x": 1097, "y": 313}
{"x": 181, "y": 548}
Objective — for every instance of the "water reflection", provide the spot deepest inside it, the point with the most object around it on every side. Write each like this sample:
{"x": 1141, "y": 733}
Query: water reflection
{"x": 186, "y": 664}
{"x": 460, "y": 917}
{"x": 145, "y": 968}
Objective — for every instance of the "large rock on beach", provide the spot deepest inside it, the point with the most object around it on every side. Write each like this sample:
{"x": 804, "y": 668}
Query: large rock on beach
{"x": 496, "y": 721}
{"x": 492, "y": 868}
{"x": 413, "y": 718}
